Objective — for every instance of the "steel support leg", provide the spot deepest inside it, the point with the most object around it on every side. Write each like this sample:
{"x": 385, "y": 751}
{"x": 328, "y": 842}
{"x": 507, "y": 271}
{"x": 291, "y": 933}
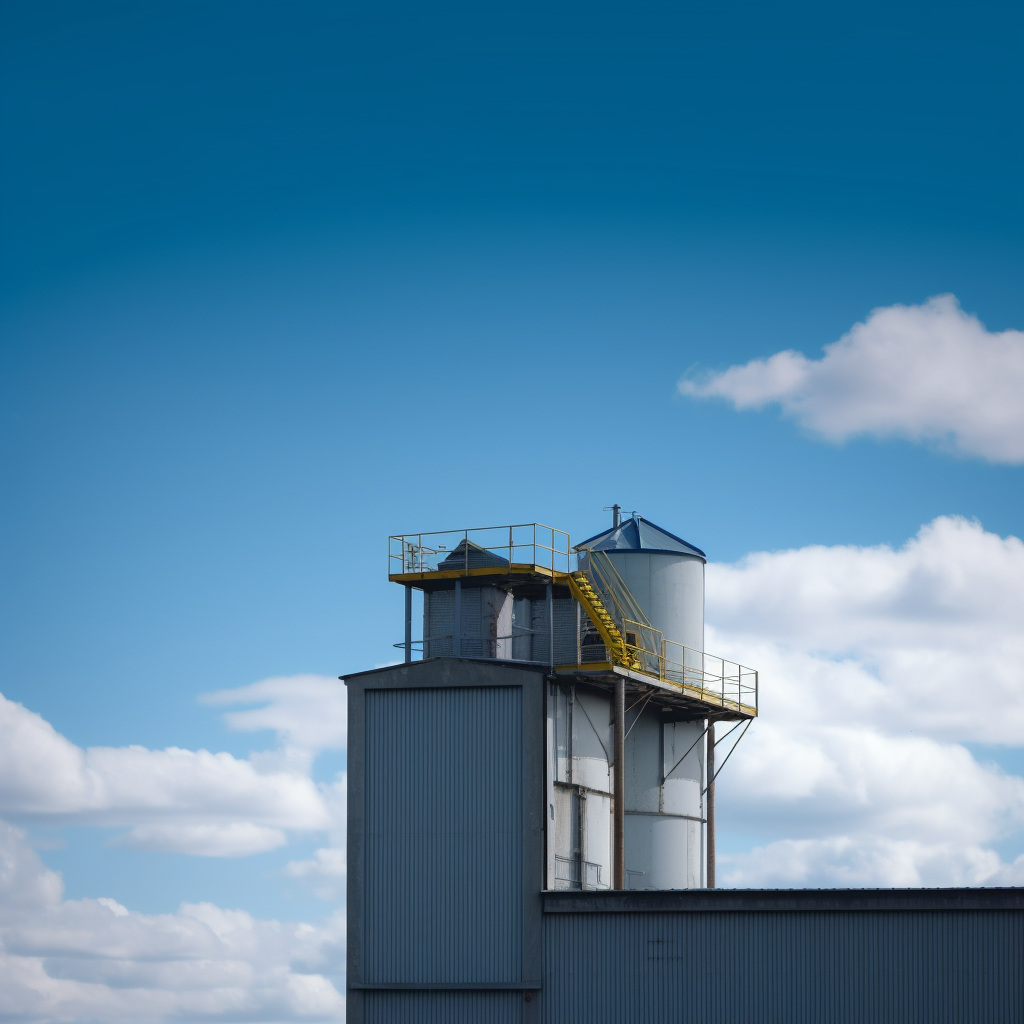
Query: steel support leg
{"x": 408, "y": 623}
{"x": 711, "y": 803}
{"x": 619, "y": 786}
{"x": 550, "y": 597}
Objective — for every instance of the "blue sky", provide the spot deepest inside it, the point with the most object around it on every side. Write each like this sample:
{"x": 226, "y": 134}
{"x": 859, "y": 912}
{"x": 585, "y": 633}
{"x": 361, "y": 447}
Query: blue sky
{"x": 279, "y": 280}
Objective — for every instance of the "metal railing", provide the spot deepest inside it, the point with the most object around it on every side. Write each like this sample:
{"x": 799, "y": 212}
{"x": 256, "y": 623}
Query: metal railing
{"x": 720, "y": 681}
{"x": 525, "y": 547}
{"x": 605, "y": 578}
{"x": 502, "y": 648}
{"x": 646, "y": 646}
{"x": 713, "y": 679}
{"x": 481, "y": 548}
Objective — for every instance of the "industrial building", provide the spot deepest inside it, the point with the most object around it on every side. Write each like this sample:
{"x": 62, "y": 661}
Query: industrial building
{"x": 531, "y": 815}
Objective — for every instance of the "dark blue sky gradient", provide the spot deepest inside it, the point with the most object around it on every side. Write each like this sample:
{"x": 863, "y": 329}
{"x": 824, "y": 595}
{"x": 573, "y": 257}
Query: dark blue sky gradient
{"x": 133, "y": 128}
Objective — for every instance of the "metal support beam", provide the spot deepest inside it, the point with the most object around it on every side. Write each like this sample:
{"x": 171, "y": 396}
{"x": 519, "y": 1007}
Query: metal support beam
{"x": 619, "y": 787}
{"x": 408, "y": 623}
{"x": 551, "y": 627}
{"x": 457, "y": 631}
{"x": 710, "y": 767}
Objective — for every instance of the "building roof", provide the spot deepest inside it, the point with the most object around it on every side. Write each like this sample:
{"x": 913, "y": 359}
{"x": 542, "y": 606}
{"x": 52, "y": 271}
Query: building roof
{"x": 479, "y": 558}
{"x": 638, "y": 534}
{"x": 768, "y": 901}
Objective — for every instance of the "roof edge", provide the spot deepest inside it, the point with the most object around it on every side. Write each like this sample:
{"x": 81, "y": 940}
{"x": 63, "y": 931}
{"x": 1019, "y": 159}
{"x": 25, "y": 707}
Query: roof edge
{"x": 782, "y": 900}
{"x": 652, "y": 551}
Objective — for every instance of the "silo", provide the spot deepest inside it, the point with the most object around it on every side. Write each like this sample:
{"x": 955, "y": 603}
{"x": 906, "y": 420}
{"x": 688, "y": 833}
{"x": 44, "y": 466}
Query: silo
{"x": 664, "y": 807}
{"x": 664, "y": 573}
{"x": 664, "y": 755}
{"x": 581, "y": 793}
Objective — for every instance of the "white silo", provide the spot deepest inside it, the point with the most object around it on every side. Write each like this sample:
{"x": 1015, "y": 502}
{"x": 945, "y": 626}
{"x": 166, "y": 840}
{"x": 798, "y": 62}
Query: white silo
{"x": 664, "y": 756}
{"x": 663, "y": 572}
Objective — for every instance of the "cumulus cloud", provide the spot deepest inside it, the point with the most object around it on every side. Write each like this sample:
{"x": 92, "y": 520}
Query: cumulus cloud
{"x": 842, "y": 862}
{"x": 929, "y": 637}
{"x": 44, "y": 774}
{"x": 926, "y": 373}
{"x": 233, "y": 839}
{"x": 327, "y": 868}
{"x": 876, "y": 666}
{"x": 185, "y": 801}
{"x": 96, "y": 960}
{"x": 308, "y": 713}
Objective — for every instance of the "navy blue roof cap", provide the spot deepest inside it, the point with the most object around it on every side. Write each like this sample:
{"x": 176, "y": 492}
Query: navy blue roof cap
{"x": 637, "y": 534}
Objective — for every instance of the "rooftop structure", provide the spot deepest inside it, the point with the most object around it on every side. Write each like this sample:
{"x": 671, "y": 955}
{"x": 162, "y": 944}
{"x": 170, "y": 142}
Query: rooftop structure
{"x": 531, "y": 805}
{"x": 606, "y": 615}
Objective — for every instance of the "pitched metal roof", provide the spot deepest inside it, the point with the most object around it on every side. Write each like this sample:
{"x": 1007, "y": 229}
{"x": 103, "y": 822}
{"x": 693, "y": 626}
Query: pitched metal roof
{"x": 637, "y": 534}
{"x": 479, "y": 557}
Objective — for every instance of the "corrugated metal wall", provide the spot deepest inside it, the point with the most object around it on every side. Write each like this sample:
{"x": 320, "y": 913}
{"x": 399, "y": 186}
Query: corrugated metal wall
{"x": 443, "y": 1007}
{"x": 472, "y": 645}
{"x": 443, "y": 882}
{"x": 439, "y": 624}
{"x": 784, "y": 968}
{"x": 566, "y": 644}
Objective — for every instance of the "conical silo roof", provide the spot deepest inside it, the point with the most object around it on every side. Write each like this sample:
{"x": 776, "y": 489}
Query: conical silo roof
{"x": 638, "y": 534}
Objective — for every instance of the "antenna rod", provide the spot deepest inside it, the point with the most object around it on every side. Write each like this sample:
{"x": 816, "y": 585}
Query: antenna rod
{"x": 616, "y": 511}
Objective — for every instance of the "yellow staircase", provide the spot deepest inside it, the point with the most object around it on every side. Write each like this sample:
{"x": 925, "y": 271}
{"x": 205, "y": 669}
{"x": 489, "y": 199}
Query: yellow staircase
{"x": 603, "y": 622}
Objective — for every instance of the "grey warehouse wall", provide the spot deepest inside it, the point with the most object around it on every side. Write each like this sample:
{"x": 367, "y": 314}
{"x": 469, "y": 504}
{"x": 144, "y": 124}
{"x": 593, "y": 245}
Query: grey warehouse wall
{"x": 785, "y": 957}
{"x": 430, "y": 834}
{"x": 448, "y": 923}
{"x": 446, "y": 842}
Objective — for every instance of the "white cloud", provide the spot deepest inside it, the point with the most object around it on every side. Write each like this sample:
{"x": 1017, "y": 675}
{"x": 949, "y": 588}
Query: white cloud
{"x": 309, "y": 713}
{"x": 876, "y": 666}
{"x": 929, "y": 637}
{"x": 842, "y": 862}
{"x": 1009, "y": 874}
{"x": 327, "y": 867}
{"x": 210, "y": 804}
{"x": 95, "y": 960}
{"x": 929, "y": 372}
{"x": 328, "y": 862}
{"x": 233, "y": 839}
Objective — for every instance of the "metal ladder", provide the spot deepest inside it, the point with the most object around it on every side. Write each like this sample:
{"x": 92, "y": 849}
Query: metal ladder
{"x": 592, "y": 604}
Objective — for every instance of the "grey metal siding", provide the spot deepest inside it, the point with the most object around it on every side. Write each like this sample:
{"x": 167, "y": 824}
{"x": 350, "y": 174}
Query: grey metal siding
{"x": 444, "y": 1007}
{"x": 472, "y": 644}
{"x": 882, "y": 967}
{"x": 438, "y": 623}
{"x": 564, "y": 622}
{"x": 443, "y": 820}
{"x": 522, "y": 629}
